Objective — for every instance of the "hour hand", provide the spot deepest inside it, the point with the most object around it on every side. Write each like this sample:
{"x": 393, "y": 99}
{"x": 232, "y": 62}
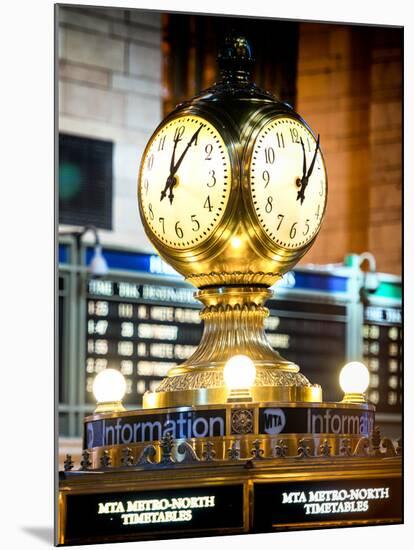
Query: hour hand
{"x": 168, "y": 184}
{"x": 170, "y": 179}
{"x": 304, "y": 158}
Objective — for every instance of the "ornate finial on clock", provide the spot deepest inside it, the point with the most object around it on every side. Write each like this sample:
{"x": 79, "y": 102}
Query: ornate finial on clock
{"x": 235, "y": 59}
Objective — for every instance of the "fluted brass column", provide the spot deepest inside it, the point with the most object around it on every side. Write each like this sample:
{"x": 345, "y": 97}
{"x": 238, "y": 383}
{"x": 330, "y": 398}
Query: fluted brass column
{"x": 233, "y": 324}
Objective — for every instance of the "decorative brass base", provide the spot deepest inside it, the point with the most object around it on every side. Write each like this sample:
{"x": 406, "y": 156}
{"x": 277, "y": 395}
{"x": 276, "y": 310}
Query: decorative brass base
{"x": 233, "y": 325}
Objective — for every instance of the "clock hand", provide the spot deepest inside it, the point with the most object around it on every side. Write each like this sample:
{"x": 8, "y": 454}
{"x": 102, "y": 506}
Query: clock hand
{"x": 305, "y": 178}
{"x": 314, "y": 159}
{"x": 180, "y": 160}
{"x": 304, "y": 158}
{"x": 302, "y": 182}
{"x": 171, "y": 177}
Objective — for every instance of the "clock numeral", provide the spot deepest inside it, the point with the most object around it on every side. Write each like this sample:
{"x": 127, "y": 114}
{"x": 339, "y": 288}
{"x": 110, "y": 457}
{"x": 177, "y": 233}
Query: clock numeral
{"x": 146, "y": 184}
{"x": 161, "y": 220}
{"x": 307, "y": 228}
{"x": 280, "y": 140}
{"x": 317, "y": 213}
{"x": 294, "y": 134}
{"x": 179, "y": 232}
{"x": 150, "y": 162}
{"x": 269, "y": 155}
{"x": 178, "y": 135}
{"x": 266, "y": 177}
{"x": 207, "y": 204}
{"x": 321, "y": 189}
{"x": 208, "y": 149}
{"x": 161, "y": 143}
{"x": 269, "y": 205}
{"x": 213, "y": 182}
{"x": 292, "y": 233}
{"x": 195, "y": 221}
{"x": 151, "y": 212}
{"x": 280, "y": 217}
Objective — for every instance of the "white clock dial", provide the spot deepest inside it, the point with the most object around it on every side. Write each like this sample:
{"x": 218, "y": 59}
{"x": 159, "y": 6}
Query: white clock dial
{"x": 288, "y": 182}
{"x": 185, "y": 181}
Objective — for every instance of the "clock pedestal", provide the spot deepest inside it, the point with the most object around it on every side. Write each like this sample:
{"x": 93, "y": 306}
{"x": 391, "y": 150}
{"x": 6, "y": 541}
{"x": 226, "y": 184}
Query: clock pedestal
{"x": 233, "y": 325}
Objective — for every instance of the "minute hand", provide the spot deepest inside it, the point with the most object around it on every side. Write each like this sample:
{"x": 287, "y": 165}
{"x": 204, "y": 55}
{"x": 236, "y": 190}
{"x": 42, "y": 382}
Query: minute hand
{"x": 308, "y": 175}
{"x": 180, "y": 160}
{"x": 305, "y": 179}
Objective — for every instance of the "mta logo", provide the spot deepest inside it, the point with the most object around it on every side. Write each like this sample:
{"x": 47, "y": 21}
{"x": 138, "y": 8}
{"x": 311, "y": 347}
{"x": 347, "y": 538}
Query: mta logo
{"x": 274, "y": 421}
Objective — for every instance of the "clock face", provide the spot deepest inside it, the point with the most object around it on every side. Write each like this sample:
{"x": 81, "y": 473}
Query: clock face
{"x": 288, "y": 182}
{"x": 185, "y": 181}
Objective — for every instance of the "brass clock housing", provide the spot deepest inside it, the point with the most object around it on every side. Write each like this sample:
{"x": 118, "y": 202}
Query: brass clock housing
{"x": 234, "y": 266}
{"x": 238, "y": 251}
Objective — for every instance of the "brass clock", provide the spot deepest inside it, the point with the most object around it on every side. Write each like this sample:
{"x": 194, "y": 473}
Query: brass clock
{"x": 232, "y": 192}
{"x": 185, "y": 182}
{"x": 287, "y": 182}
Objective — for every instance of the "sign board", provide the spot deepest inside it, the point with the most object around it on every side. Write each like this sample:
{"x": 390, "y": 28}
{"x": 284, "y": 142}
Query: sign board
{"x": 103, "y": 517}
{"x": 382, "y": 333}
{"x": 192, "y": 422}
{"x": 277, "y": 505}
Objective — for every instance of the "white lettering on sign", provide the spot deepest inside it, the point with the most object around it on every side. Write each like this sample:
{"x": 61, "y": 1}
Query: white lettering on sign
{"x": 383, "y": 314}
{"x": 330, "y": 422}
{"x": 168, "y": 294}
{"x": 164, "y": 510}
{"x": 274, "y": 421}
{"x": 183, "y": 425}
{"x": 336, "y": 501}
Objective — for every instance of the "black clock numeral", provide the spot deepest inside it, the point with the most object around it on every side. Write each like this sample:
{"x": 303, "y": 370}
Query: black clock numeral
{"x": 307, "y": 228}
{"x": 179, "y": 232}
{"x": 179, "y": 132}
{"x": 207, "y": 204}
{"x": 161, "y": 143}
{"x": 280, "y": 140}
{"x": 151, "y": 212}
{"x": 162, "y": 220}
{"x": 269, "y": 205}
{"x": 195, "y": 221}
{"x": 317, "y": 213}
{"x": 266, "y": 177}
{"x": 146, "y": 184}
{"x": 150, "y": 162}
{"x": 269, "y": 155}
{"x": 213, "y": 181}
{"x": 280, "y": 217}
{"x": 294, "y": 134}
{"x": 208, "y": 149}
{"x": 292, "y": 233}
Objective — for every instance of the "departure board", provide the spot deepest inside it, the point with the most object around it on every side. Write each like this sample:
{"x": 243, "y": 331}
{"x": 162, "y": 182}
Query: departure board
{"x": 312, "y": 334}
{"x": 383, "y": 356}
{"x": 142, "y": 330}
{"x": 145, "y": 329}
